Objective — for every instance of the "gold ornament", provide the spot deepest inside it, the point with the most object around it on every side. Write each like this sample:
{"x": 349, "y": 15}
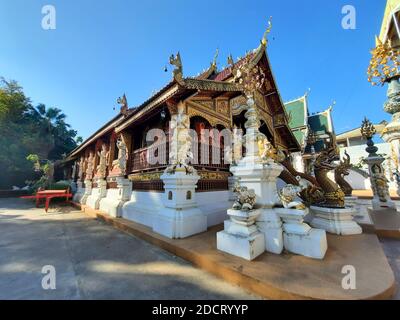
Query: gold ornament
{"x": 367, "y": 129}
{"x": 384, "y": 63}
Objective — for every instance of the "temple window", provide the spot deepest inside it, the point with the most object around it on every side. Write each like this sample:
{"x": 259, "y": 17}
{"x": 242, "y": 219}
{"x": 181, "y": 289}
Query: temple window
{"x": 170, "y": 195}
{"x": 189, "y": 195}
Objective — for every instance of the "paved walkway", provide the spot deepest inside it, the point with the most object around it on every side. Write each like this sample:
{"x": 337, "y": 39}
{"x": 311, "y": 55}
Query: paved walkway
{"x": 95, "y": 261}
{"x": 92, "y": 260}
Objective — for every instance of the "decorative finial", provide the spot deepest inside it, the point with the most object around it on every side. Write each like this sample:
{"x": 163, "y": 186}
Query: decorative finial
{"x": 214, "y": 63}
{"x": 384, "y": 63}
{"x": 177, "y": 62}
{"x": 230, "y": 60}
{"x": 124, "y": 104}
{"x": 367, "y": 129}
{"x": 264, "y": 39}
{"x": 332, "y": 105}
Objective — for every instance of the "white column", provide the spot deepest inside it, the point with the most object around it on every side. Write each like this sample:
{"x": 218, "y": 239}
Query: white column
{"x": 180, "y": 217}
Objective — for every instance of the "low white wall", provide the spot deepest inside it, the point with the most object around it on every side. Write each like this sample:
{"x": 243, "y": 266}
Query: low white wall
{"x": 145, "y": 205}
{"x": 109, "y": 204}
{"x": 214, "y": 205}
{"x": 358, "y": 181}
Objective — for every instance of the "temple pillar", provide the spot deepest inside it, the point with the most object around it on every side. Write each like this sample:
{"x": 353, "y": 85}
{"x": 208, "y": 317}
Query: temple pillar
{"x": 180, "y": 217}
{"x": 97, "y": 193}
{"x": 87, "y": 192}
{"x": 379, "y": 183}
{"x": 80, "y": 188}
{"x": 100, "y": 189}
{"x": 260, "y": 176}
{"x": 232, "y": 181}
{"x": 115, "y": 198}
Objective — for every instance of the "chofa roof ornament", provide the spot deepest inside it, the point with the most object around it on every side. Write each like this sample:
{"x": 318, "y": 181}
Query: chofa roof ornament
{"x": 264, "y": 40}
{"x": 124, "y": 105}
{"x": 177, "y": 63}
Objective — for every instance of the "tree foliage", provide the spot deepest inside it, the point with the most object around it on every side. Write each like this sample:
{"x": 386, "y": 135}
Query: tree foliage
{"x": 26, "y": 129}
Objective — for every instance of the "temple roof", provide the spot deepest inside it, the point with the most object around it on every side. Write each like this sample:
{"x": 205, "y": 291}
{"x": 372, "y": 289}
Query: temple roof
{"x": 211, "y": 83}
{"x": 388, "y": 28}
{"x": 321, "y": 123}
{"x": 300, "y": 121}
{"x": 297, "y": 111}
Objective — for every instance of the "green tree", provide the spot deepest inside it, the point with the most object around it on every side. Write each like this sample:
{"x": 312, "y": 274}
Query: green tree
{"x": 24, "y": 130}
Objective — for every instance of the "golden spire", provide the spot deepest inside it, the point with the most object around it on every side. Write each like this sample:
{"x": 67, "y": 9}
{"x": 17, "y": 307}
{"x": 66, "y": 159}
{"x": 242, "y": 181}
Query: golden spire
{"x": 384, "y": 63}
{"x": 264, "y": 39}
{"x": 214, "y": 63}
{"x": 177, "y": 63}
{"x": 367, "y": 129}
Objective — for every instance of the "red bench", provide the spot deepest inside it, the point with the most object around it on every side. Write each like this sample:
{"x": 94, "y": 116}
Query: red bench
{"x": 48, "y": 195}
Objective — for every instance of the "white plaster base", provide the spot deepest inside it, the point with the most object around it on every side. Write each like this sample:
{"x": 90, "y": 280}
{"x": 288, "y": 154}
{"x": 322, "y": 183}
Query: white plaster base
{"x": 379, "y": 205}
{"x": 180, "y": 216}
{"x": 115, "y": 198}
{"x": 213, "y": 204}
{"x": 312, "y": 244}
{"x": 299, "y": 237}
{"x": 144, "y": 206}
{"x": 177, "y": 224}
{"x": 334, "y": 220}
{"x": 88, "y": 191}
{"x": 350, "y": 201}
{"x": 247, "y": 248}
{"x": 93, "y": 201}
{"x": 111, "y": 204}
{"x": 240, "y": 236}
{"x": 270, "y": 224}
{"x": 80, "y": 191}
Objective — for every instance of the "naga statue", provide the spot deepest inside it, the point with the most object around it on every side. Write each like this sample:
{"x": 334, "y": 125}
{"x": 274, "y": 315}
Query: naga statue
{"x": 341, "y": 171}
{"x": 334, "y": 195}
{"x": 289, "y": 167}
{"x": 310, "y": 193}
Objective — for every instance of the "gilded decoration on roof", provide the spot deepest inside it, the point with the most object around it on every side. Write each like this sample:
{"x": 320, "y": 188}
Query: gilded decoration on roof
{"x": 177, "y": 63}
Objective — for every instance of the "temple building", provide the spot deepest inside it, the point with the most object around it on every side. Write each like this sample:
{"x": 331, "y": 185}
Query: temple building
{"x": 118, "y": 170}
{"x": 310, "y": 131}
{"x": 390, "y": 24}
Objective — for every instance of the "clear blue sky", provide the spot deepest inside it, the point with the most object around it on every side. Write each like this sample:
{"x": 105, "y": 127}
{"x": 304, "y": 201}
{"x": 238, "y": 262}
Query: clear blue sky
{"x": 104, "y": 48}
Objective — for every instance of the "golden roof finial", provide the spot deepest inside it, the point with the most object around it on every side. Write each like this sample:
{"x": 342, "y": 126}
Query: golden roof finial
{"x": 214, "y": 63}
{"x": 177, "y": 63}
{"x": 264, "y": 39}
{"x": 385, "y": 63}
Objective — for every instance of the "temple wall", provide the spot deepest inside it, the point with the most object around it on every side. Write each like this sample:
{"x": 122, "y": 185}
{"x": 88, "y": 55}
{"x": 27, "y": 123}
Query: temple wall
{"x": 145, "y": 205}
{"x": 357, "y": 153}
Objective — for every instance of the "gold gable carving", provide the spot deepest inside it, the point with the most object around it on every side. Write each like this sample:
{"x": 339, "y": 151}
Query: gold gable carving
{"x": 279, "y": 120}
{"x": 213, "y": 117}
{"x": 259, "y": 100}
{"x": 223, "y": 107}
